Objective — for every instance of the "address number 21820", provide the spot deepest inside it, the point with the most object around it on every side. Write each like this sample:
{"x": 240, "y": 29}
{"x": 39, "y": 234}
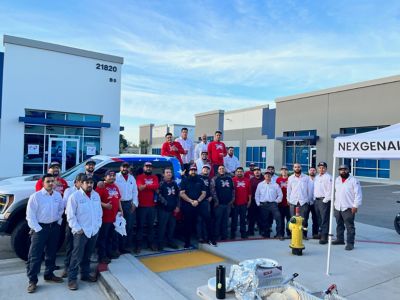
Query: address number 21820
{"x": 106, "y": 67}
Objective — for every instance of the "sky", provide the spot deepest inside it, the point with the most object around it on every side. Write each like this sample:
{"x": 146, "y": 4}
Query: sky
{"x": 184, "y": 57}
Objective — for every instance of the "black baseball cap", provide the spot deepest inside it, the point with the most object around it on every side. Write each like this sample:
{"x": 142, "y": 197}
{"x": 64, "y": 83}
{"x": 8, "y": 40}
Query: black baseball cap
{"x": 341, "y": 167}
{"x": 54, "y": 164}
{"x": 90, "y": 162}
{"x": 322, "y": 164}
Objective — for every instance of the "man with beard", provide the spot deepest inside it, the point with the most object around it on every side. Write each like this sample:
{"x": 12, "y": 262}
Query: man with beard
{"x": 146, "y": 213}
{"x": 89, "y": 171}
{"x": 216, "y": 152}
{"x": 192, "y": 192}
{"x": 201, "y": 147}
{"x": 284, "y": 208}
{"x": 84, "y": 215}
{"x": 299, "y": 194}
{"x": 253, "y": 211}
{"x": 129, "y": 200}
{"x": 202, "y": 161}
{"x": 348, "y": 197}
{"x": 231, "y": 162}
{"x": 44, "y": 216}
{"x": 250, "y": 173}
{"x": 111, "y": 203}
{"x": 271, "y": 169}
{"x": 60, "y": 185}
{"x": 320, "y": 184}
{"x": 223, "y": 193}
{"x": 168, "y": 200}
{"x": 242, "y": 202}
{"x": 204, "y": 228}
{"x": 172, "y": 148}
{"x": 69, "y": 237}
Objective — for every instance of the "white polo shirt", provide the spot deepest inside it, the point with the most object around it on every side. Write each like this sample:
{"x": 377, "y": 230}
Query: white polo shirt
{"x": 268, "y": 192}
{"x": 323, "y": 187}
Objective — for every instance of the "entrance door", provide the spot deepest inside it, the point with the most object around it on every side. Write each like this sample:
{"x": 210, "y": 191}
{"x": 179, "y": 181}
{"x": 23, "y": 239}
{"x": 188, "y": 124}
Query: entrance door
{"x": 65, "y": 151}
{"x": 313, "y": 158}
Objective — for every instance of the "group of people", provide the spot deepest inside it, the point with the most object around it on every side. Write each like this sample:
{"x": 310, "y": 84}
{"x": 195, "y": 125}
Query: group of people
{"x": 214, "y": 188}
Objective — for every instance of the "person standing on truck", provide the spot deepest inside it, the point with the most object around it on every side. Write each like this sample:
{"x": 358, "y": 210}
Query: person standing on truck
{"x": 111, "y": 204}
{"x": 84, "y": 216}
{"x": 147, "y": 185}
{"x": 201, "y": 147}
{"x": 60, "y": 185}
{"x": 172, "y": 148}
{"x": 69, "y": 238}
{"x": 188, "y": 146}
{"x": 216, "y": 152}
{"x": 44, "y": 215}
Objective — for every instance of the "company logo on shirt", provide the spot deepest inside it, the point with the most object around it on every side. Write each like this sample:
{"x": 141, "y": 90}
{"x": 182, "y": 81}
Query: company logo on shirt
{"x": 225, "y": 183}
{"x": 171, "y": 191}
{"x": 112, "y": 192}
{"x": 148, "y": 181}
{"x": 206, "y": 183}
{"x": 241, "y": 184}
{"x": 58, "y": 187}
{"x": 219, "y": 147}
{"x": 283, "y": 184}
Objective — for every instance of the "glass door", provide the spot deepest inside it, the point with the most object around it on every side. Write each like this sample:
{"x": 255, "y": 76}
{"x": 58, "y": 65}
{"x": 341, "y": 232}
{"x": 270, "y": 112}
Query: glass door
{"x": 313, "y": 158}
{"x": 65, "y": 151}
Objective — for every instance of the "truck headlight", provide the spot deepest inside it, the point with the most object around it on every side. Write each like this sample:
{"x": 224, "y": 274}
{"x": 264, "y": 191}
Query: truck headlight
{"x": 5, "y": 202}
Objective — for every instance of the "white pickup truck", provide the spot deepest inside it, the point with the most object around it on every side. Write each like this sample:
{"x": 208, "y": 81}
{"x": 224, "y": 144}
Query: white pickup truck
{"x": 15, "y": 192}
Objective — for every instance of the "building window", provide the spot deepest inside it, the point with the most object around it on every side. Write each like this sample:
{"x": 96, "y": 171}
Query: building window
{"x": 298, "y": 151}
{"x": 236, "y": 152}
{"x": 367, "y": 167}
{"x": 156, "y": 151}
{"x": 256, "y": 155}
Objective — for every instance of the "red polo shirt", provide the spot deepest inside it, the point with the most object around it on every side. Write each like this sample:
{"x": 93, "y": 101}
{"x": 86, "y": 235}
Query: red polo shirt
{"x": 242, "y": 190}
{"x": 110, "y": 194}
{"x": 146, "y": 196}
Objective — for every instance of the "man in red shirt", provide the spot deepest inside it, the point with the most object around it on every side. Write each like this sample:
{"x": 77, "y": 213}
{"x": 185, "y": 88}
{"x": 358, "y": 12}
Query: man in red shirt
{"x": 284, "y": 207}
{"x": 146, "y": 213}
{"x": 250, "y": 173}
{"x": 253, "y": 210}
{"x": 60, "y": 185}
{"x": 216, "y": 152}
{"x": 111, "y": 203}
{"x": 242, "y": 202}
{"x": 172, "y": 148}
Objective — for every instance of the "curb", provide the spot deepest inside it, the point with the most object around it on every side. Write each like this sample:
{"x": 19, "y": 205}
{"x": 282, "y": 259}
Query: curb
{"x": 112, "y": 287}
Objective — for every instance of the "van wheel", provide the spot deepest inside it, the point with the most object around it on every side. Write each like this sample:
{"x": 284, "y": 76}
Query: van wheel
{"x": 20, "y": 240}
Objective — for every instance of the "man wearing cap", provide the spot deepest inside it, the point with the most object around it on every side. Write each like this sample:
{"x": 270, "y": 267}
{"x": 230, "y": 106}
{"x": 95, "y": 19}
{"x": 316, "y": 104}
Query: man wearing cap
{"x": 60, "y": 185}
{"x": 250, "y": 173}
{"x": 205, "y": 209}
{"x": 253, "y": 211}
{"x": 84, "y": 216}
{"x": 147, "y": 185}
{"x": 44, "y": 216}
{"x": 348, "y": 197}
{"x": 201, "y": 147}
{"x": 231, "y": 162}
{"x": 192, "y": 193}
{"x": 172, "y": 148}
{"x": 223, "y": 193}
{"x": 188, "y": 147}
{"x": 284, "y": 208}
{"x": 89, "y": 171}
{"x": 129, "y": 201}
{"x": 168, "y": 203}
{"x": 299, "y": 194}
{"x": 268, "y": 195}
{"x": 69, "y": 237}
{"x": 322, "y": 196}
{"x": 242, "y": 202}
{"x": 203, "y": 160}
{"x": 111, "y": 203}
{"x": 216, "y": 152}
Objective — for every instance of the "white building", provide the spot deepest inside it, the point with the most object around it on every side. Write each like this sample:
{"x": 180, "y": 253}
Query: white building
{"x": 57, "y": 104}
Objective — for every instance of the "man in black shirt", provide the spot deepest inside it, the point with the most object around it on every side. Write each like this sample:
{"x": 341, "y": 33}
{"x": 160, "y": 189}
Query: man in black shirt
{"x": 223, "y": 193}
{"x": 168, "y": 197}
{"x": 193, "y": 192}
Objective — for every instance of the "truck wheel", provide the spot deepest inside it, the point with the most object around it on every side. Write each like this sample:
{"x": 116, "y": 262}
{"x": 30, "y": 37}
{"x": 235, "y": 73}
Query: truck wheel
{"x": 20, "y": 240}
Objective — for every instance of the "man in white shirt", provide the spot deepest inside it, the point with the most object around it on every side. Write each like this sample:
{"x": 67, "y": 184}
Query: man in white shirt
{"x": 231, "y": 162}
{"x": 268, "y": 195}
{"x": 84, "y": 214}
{"x": 348, "y": 198}
{"x": 129, "y": 201}
{"x": 201, "y": 147}
{"x": 274, "y": 177}
{"x": 300, "y": 193}
{"x": 202, "y": 161}
{"x": 322, "y": 196}
{"x": 188, "y": 146}
{"x": 69, "y": 237}
{"x": 44, "y": 215}
{"x": 316, "y": 234}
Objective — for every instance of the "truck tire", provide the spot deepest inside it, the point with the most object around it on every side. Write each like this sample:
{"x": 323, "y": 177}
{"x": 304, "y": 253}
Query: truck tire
{"x": 20, "y": 240}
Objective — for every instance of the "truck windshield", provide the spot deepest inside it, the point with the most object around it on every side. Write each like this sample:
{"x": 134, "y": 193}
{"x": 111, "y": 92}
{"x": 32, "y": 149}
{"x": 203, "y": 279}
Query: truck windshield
{"x": 70, "y": 175}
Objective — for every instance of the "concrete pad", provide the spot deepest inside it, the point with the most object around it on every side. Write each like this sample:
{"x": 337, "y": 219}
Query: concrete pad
{"x": 140, "y": 282}
{"x": 368, "y": 266}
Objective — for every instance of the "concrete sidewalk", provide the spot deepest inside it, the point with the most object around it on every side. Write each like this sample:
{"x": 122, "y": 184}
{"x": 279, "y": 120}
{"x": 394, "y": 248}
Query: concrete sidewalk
{"x": 370, "y": 271}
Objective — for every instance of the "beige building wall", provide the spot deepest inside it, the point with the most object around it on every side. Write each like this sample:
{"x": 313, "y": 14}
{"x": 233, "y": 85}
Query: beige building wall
{"x": 208, "y": 122}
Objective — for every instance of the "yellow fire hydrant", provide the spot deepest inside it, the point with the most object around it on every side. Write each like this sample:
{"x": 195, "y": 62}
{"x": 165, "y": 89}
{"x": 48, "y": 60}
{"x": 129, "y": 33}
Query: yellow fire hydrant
{"x": 296, "y": 227}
